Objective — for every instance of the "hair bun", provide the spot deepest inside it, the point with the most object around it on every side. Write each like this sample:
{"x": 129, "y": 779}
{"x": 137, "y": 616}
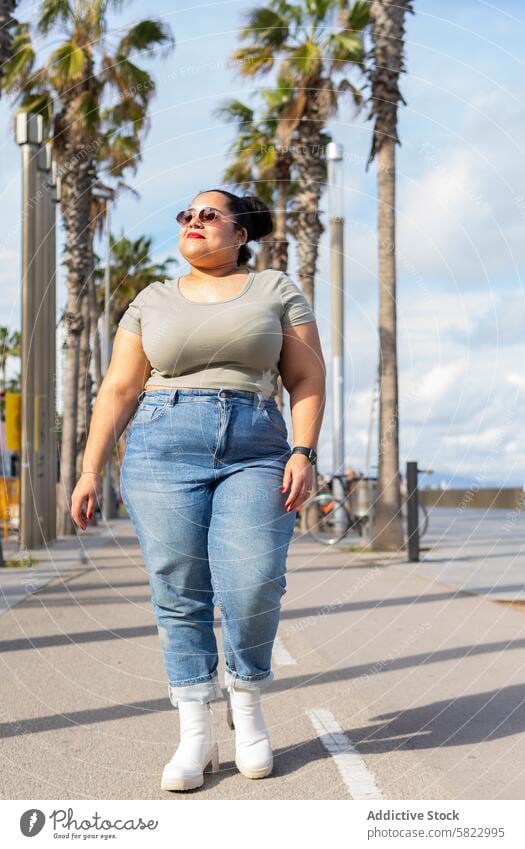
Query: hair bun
{"x": 250, "y": 212}
{"x": 260, "y": 221}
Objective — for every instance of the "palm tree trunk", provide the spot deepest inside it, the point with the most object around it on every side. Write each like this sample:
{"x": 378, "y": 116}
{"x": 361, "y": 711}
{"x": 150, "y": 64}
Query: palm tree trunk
{"x": 76, "y": 195}
{"x": 280, "y": 245}
{"x": 94, "y": 316}
{"x": 307, "y": 151}
{"x": 387, "y": 531}
{"x": 85, "y": 384}
{"x": 262, "y": 257}
{"x": 307, "y": 227}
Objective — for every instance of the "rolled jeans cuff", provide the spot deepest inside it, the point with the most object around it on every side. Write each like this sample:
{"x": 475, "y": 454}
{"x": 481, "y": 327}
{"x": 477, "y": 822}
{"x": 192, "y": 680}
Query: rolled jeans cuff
{"x": 205, "y": 691}
{"x": 238, "y": 683}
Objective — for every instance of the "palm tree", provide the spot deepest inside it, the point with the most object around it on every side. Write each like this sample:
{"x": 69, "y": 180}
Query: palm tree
{"x": 249, "y": 169}
{"x": 132, "y": 268}
{"x": 315, "y": 48}
{"x": 84, "y": 72}
{"x": 89, "y": 346}
{"x": 261, "y": 165}
{"x": 99, "y": 210}
{"x": 387, "y": 32}
{"x": 7, "y": 25}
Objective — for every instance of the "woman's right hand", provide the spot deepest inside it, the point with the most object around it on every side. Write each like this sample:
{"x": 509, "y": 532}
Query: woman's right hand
{"x": 87, "y": 490}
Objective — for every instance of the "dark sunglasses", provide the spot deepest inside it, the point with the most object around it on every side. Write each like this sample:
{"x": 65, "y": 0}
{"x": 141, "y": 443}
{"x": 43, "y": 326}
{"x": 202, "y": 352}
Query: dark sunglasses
{"x": 206, "y": 214}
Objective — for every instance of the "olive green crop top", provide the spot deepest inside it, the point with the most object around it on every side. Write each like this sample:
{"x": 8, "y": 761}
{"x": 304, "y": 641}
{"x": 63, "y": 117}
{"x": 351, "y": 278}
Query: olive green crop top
{"x": 232, "y": 344}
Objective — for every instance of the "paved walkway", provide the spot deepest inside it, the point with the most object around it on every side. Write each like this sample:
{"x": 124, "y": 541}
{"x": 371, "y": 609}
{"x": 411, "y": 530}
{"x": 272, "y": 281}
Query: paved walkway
{"x": 390, "y": 683}
{"x": 480, "y": 551}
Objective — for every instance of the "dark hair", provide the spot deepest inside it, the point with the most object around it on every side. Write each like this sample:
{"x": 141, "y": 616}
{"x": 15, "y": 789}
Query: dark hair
{"x": 251, "y": 212}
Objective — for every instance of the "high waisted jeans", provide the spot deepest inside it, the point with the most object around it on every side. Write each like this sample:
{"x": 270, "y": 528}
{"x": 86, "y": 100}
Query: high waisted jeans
{"x": 201, "y": 480}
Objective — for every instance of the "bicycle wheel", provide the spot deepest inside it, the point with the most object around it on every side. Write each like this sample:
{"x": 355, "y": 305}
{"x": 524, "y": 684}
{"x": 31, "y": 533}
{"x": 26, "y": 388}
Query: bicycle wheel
{"x": 327, "y": 519}
{"x": 423, "y": 519}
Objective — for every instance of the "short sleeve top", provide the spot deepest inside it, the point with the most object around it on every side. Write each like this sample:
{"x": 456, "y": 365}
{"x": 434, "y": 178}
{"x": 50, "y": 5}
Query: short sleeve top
{"x": 231, "y": 344}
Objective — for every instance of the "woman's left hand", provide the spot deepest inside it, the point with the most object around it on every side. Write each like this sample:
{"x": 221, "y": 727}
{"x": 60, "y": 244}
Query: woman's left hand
{"x": 299, "y": 478}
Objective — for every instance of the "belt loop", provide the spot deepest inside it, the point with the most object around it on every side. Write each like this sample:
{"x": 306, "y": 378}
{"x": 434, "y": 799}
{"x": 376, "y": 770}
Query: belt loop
{"x": 141, "y": 396}
{"x": 173, "y": 399}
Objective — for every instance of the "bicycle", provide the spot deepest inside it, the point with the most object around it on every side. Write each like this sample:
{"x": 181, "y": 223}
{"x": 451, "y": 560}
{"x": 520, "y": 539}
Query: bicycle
{"x": 329, "y": 519}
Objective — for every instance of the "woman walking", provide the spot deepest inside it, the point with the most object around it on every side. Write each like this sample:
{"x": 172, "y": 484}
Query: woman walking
{"x": 209, "y": 478}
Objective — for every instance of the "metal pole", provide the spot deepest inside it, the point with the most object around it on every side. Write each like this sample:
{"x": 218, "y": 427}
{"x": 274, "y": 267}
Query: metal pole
{"x": 107, "y": 489}
{"x": 57, "y": 192}
{"x": 44, "y": 335}
{"x": 334, "y": 156}
{"x": 412, "y": 511}
{"x": 51, "y": 352}
{"x": 29, "y": 135}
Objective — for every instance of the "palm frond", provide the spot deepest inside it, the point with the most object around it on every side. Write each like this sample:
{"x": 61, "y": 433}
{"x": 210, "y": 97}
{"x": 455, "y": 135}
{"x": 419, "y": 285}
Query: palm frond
{"x": 345, "y": 48}
{"x": 234, "y": 111}
{"x": 121, "y": 153}
{"x": 16, "y": 71}
{"x": 53, "y": 12}
{"x": 265, "y": 26}
{"x": 306, "y": 60}
{"x": 319, "y": 9}
{"x": 254, "y": 60}
{"x": 128, "y": 79}
{"x": 357, "y": 17}
{"x": 146, "y": 37}
{"x": 67, "y": 63}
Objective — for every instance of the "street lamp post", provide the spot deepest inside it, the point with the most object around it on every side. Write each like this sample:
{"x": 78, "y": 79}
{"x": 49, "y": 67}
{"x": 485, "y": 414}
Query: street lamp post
{"x": 38, "y": 440}
{"x": 45, "y": 339}
{"x": 334, "y": 156}
{"x": 29, "y": 135}
{"x": 52, "y": 454}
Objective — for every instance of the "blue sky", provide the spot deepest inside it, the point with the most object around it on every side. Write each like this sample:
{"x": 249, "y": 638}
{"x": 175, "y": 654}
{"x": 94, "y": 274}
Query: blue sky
{"x": 461, "y": 213}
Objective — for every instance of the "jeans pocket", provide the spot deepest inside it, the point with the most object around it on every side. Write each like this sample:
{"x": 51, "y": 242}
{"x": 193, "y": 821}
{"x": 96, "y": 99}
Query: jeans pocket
{"x": 148, "y": 412}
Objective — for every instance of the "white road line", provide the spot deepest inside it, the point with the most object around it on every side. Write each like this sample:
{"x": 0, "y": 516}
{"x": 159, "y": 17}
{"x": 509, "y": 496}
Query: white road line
{"x": 353, "y": 770}
{"x": 280, "y": 654}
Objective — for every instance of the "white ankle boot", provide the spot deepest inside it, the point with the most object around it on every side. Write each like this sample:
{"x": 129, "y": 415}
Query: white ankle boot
{"x": 253, "y": 752}
{"x": 197, "y": 749}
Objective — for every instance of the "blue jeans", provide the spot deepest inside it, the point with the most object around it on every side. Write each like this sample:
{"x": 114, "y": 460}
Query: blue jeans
{"x": 201, "y": 481}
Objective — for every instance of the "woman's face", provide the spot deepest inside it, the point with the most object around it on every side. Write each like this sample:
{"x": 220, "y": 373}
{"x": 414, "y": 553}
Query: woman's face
{"x": 211, "y": 244}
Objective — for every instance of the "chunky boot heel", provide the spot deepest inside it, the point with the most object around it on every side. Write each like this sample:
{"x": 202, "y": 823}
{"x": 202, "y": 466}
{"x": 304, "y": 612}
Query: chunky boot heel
{"x": 213, "y": 763}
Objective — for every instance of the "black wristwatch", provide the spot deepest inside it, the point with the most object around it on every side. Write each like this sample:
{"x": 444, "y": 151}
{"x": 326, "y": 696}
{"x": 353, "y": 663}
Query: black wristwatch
{"x": 311, "y": 453}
